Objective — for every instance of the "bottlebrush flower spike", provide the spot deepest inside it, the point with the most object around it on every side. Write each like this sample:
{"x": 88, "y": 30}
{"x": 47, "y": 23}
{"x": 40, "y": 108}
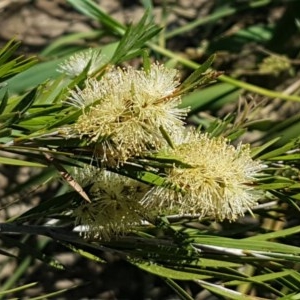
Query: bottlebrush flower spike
{"x": 218, "y": 185}
{"x": 115, "y": 203}
{"x": 131, "y": 107}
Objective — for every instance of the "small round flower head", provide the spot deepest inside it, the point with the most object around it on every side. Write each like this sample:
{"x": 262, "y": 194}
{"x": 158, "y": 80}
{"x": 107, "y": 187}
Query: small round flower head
{"x": 132, "y": 108}
{"x": 218, "y": 184}
{"x": 77, "y": 62}
{"x": 115, "y": 207}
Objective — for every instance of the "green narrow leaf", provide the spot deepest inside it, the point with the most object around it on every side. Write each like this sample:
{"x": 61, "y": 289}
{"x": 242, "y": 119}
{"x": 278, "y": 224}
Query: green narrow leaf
{"x": 33, "y": 182}
{"x": 25, "y": 103}
{"x": 218, "y": 92}
{"x": 224, "y": 292}
{"x": 178, "y": 289}
{"x": 84, "y": 253}
{"x": 213, "y": 263}
{"x": 92, "y": 10}
{"x": 262, "y": 278}
{"x": 255, "y": 151}
{"x": 22, "y": 267}
{"x": 289, "y": 146}
{"x": 167, "y": 272}
{"x": 292, "y": 296}
{"x": 5, "y": 70}
{"x": 4, "y": 100}
{"x": 55, "y": 294}
{"x": 5, "y": 133}
{"x": 29, "y": 250}
{"x": 6, "y": 118}
{"x": 18, "y": 289}
{"x": 61, "y": 46}
{"x": 34, "y": 76}
{"x": 8, "y": 50}
{"x": 151, "y": 178}
{"x": 43, "y": 111}
{"x": 48, "y": 207}
{"x": 134, "y": 39}
{"x": 16, "y": 65}
{"x": 66, "y": 120}
{"x": 275, "y": 234}
{"x": 197, "y": 74}
{"x": 295, "y": 156}
{"x": 18, "y": 162}
{"x": 245, "y": 244}
{"x": 274, "y": 186}
{"x": 166, "y": 136}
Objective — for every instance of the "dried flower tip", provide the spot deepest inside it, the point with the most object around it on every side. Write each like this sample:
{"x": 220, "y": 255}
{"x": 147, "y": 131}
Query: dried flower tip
{"x": 274, "y": 64}
{"x": 219, "y": 184}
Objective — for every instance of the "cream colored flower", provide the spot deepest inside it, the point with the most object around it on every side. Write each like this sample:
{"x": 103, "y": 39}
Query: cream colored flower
{"x": 115, "y": 207}
{"x": 218, "y": 185}
{"x": 90, "y": 94}
{"x": 131, "y": 107}
{"x": 77, "y": 62}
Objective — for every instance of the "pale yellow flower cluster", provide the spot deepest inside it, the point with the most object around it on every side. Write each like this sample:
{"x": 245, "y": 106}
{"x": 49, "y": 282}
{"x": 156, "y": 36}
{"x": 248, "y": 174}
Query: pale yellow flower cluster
{"x": 115, "y": 207}
{"x": 128, "y": 113}
{"x": 218, "y": 184}
{"x": 130, "y": 107}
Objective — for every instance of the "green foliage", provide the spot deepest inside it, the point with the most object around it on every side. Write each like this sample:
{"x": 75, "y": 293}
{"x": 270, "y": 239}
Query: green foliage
{"x": 230, "y": 260}
{"x": 12, "y": 66}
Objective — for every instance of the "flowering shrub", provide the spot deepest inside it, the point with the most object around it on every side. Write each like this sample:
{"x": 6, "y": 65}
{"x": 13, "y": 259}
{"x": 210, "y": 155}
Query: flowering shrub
{"x": 138, "y": 179}
{"x": 128, "y": 113}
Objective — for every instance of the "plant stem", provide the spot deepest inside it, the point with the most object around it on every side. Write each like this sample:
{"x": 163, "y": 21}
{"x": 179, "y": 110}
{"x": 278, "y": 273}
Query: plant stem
{"x": 224, "y": 78}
